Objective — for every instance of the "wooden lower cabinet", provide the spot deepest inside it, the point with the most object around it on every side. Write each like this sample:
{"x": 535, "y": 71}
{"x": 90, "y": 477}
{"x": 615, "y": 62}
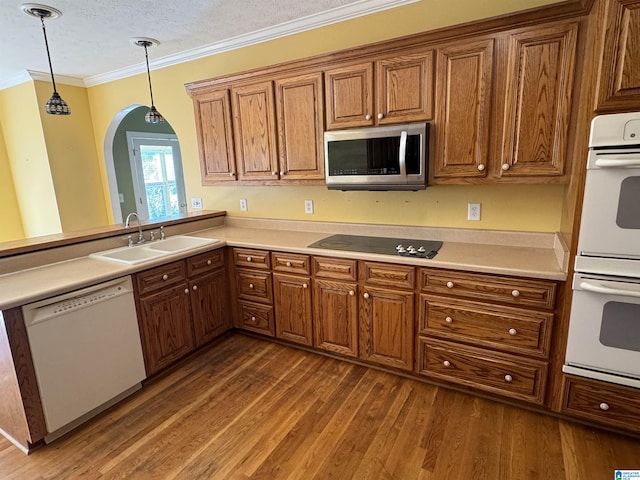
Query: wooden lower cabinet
{"x": 292, "y": 303}
{"x": 336, "y": 316}
{"x": 210, "y": 306}
{"x": 386, "y": 327}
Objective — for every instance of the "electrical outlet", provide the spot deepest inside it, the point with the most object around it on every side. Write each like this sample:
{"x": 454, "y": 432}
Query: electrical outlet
{"x": 308, "y": 206}
{"x": 243, "y": 205}
{"x": 473, "y": 211}
{"x": 196, "y": 203}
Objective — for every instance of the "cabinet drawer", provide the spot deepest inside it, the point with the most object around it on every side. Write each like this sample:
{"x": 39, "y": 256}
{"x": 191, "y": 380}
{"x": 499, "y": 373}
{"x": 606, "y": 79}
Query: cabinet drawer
{"x": 254, "y": 286}
{"x": 257, "y": 318}
{"x": 514, "y": 291}
{"x": 502, "y": 328}
{"x": 291, "y": 263}
{"x": 501, "y": 374}
{"x": 335, "y": 268}
{"x": 244, "y": 257}
{"x": 388, "y": 275}
{"x": 602, "y": 402}
{"x": 205, "y": 263}
{"x": 160, "y": 277}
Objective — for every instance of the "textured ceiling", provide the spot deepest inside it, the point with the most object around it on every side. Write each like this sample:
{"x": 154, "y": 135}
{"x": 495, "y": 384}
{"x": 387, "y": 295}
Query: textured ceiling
{"x": 92, "y": 36}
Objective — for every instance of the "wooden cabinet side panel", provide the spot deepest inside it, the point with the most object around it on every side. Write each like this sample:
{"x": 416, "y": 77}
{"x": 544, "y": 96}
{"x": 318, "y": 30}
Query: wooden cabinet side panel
{"x": 300, "y": 127}
{"x": 536, "y": 121}
{"x": 292, "y": 304}
{"x": 349, "y": 96}
{"x": 464, "y": 89}
{"x": 335, "y": 317}
{"x": 210, "y": 306}
{"x": 21, "y": 414}
{"x": 254, "y": 129}
{"x": 215, "y": 139}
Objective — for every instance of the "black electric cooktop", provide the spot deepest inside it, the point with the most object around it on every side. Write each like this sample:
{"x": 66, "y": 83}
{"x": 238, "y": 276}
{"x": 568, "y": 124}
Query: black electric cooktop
{"x": 382, "y": 245}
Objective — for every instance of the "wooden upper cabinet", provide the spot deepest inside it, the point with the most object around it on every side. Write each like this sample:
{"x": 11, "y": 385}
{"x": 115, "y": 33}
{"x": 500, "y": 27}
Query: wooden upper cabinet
{"x": 403, "y": 92}
{"x": 300, "y": 127}
{"x": 537, "y": 101}
{"x": 464, "y": 86}
{"x": 255, "y": 132}
{"x": 215, "y": 140}
{"x": 619, "y": 86}
{"x": 349, "y": 96}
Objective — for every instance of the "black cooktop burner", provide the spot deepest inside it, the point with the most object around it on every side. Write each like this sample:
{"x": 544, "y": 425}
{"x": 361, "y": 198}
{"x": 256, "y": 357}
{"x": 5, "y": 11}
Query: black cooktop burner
{"x": 385, "y": 246}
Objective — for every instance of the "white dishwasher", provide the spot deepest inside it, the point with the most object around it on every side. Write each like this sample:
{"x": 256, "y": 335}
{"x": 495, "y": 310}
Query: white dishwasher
{"x": 86, "y": 352}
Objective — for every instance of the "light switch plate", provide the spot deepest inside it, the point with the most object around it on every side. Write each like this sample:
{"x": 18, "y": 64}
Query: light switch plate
{"x": 196, "y": 203}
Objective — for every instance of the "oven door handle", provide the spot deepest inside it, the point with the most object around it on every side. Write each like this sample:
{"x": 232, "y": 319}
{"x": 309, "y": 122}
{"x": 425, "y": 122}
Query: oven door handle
{"x": 603, "y": 288}
{"x": 616, "y": 162}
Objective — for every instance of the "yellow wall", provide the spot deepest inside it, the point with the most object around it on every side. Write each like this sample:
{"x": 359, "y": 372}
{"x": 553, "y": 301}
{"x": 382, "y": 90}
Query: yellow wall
{"x": 10, "y": 221}
{"x": 528, "y": 208}
{"x": 73, "y": 160}
{"x": 27, "y": 153}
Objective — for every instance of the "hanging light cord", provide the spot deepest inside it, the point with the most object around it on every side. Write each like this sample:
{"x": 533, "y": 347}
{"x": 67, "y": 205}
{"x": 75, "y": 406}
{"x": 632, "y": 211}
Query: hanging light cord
{"x": 146, "y": 56}
{"x": 46, "y": 44}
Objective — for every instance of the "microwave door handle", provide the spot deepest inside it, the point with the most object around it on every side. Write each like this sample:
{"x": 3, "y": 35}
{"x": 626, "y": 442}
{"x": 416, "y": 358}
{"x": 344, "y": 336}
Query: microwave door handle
{"x": 601, "y": 288}
{"x": 616, "y": 162}
{"x": 403, "y": 154}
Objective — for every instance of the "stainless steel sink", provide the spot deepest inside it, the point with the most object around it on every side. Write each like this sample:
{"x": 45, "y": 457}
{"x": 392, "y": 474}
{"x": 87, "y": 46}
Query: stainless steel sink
{"x": 150, "y": 251}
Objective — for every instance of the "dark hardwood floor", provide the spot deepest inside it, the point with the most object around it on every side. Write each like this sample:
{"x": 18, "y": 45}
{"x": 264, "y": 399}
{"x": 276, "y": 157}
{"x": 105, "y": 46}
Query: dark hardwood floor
{"x": 250, "y": 409}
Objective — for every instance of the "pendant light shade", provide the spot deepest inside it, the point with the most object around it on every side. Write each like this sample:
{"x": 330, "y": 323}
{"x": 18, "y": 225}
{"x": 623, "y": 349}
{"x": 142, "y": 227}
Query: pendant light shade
{"x": 153, "y": 115}
{"x": 55, "y": 105}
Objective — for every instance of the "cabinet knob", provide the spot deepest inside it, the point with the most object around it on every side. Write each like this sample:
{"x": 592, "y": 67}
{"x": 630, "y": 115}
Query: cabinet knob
{"x": 513, "y": 331}
{"x": 195, "y": 287}
{"x": 186, "y": 290}
{"x": 508, "y": 378}
{"x": 481, "y": 166}
{"x": 304, "y": 285}
{"x": 283, "y": 172}
{"x": 449, "y": 284}
{"x": 251, "y": 285}
{"x": 380, "y": 116}
{"x": 446, "y": 363}
{"x": 352, "y": 293}
{"x": 505, "y": 166}
{"x": 515, "y": 293}
{"x": 288, "y": 264}
{"x": 231, "y": 174}
{"x": 249, "y": 259}
{"x": 604, "y": 406}
{"x": 367, "y": 117}
{"x": 165, "y": 277}
{"x": 208, "y": 262}
{"x": 274, "y": 173}
{"x": 253, "y": 319}
{"x": 366, "y": 295}
{"x": 448, "y": 320}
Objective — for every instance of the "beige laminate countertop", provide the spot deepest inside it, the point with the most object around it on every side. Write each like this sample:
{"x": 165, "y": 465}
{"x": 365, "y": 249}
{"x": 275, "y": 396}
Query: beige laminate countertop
{"x": 505, "y": 253}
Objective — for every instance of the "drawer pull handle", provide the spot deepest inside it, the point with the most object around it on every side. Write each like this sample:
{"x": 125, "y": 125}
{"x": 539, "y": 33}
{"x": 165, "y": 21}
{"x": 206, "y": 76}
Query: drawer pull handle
{"x": 446, "y": 363}
{"x": 251, "y": 285}
{"x": 352, "y": 293}
{"x": 304, "y": 285}
{"x": 515, "y": 293}
{"x": 513, "y": 331}
{"x": 253, "y": 319}
{"x": 449, "y": 284}
{"x": 249, "y": 259}
{"x": 508, "y": 378}
{"x": 165, "y": 277}
{"x": 186, "y": 290}
{"x": 288, "y": 264}
{"x": 366, "y": 295}
{"x": 604, "y": 406}
{"x": 448, "y": 320}
{"x": 195, "y": 287}
{"x": 208, "y": 262}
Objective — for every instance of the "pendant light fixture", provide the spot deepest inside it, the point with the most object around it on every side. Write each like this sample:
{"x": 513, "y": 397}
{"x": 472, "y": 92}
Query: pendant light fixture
{"x": 55, "y": 105}
{"x": 153, "y": 115}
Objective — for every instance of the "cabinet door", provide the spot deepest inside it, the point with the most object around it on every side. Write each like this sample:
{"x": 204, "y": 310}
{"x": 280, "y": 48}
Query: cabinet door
{"x": 215, "y": 142}
{"x": 404, "y": 88}
{"x": 537, "y": 101}
{"x": 210, "y": 306}
{"x": 292, "y": 301}
{"x": 349, "y": 96}
{"x": 300, "y": 127}
{"x": 463, "y": 85}
{"x": 619, "y": 86}
{"x": 335, "y": 317}
{"x": 386, "y": 327}
{"x": 165, "y": 327}
{"x": 254, "y": 129}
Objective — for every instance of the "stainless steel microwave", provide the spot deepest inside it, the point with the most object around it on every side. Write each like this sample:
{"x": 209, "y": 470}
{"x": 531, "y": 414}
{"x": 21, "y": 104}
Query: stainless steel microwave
{"x": 377, "y": 158}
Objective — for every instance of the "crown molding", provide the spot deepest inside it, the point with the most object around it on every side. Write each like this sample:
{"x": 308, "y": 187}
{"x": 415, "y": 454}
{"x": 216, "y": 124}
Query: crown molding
{"x": 25, "y": 76}
{"x": 335, "y": 15}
